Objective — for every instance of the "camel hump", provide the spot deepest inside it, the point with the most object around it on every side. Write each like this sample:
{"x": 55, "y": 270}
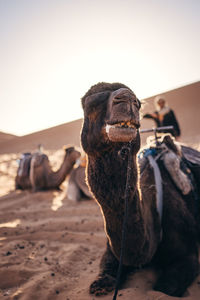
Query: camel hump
{"x": 38, "y": 159}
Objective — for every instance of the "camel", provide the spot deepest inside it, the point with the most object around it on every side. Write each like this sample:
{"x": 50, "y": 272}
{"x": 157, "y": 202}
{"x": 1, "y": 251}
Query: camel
{"x": 110, "y": 127}
{"x": 77, "y": 187}
{"x": 39, "y": 174}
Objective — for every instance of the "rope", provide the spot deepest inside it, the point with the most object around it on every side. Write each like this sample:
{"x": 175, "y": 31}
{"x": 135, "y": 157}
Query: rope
{"x": 158, "y": 184}
{"x": 124, "y": 226}
{"x": 158, "y": 180}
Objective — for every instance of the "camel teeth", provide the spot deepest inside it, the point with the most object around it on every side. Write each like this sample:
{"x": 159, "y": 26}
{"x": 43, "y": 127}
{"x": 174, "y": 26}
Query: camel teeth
{"x": 120, "y": 125}
{"x": 108, "y": 128}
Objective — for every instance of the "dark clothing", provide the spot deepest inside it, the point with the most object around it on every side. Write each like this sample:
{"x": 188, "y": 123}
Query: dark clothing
{"x": 169, "y": 119}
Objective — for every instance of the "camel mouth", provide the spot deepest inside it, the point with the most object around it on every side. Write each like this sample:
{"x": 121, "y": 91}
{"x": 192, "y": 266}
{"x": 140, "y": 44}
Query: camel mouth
{"x": 122, "y": 131}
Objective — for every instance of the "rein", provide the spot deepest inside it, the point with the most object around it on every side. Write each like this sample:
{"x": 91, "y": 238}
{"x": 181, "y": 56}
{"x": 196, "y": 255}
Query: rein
{"x": 123, "y": 152}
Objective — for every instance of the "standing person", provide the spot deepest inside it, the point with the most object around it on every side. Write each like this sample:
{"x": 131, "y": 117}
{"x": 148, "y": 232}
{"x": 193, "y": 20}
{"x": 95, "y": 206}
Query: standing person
{"x": 164, "y": 116}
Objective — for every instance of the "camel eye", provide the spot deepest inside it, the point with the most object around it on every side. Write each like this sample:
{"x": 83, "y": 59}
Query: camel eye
{"x": 137, "y": 102}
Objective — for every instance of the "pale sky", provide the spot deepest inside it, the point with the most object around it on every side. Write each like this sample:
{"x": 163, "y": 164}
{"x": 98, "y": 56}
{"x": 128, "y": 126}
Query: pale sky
{"x": 52, "y": 51}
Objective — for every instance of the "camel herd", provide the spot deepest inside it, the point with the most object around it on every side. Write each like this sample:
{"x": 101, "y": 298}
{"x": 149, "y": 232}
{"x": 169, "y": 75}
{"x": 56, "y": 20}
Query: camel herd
{"x": 110, "y": 137}
{"x": 35, "y": 173}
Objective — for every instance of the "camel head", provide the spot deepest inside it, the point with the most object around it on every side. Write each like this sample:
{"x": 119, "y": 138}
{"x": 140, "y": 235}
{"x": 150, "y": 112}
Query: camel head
{"x": 111, "y": 117}
{"x": 71, "y": 153}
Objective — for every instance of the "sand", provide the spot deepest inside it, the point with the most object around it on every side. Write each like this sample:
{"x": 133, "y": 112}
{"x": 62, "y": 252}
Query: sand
{"x": 50, "y": 247}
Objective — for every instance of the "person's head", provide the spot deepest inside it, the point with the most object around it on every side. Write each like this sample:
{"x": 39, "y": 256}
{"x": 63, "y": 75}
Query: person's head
{"x": 160, "y": 102}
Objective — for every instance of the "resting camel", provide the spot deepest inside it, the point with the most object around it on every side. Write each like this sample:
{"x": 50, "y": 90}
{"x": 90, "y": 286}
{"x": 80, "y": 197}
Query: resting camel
{"x": 40, "y": 176}
{"x": 77, "y": 186}
{"x": 111, "y": 125}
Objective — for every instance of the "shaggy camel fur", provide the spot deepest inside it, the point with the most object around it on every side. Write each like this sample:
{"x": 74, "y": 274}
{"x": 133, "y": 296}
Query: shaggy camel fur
{"x": 111, "y": 123}
{"x": 38, "y": 174}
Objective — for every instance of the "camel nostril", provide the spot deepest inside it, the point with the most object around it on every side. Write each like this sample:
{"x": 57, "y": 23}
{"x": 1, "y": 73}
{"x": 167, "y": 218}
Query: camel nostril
{"x": 120, "y": 98}
{"x": 123, "y": 96}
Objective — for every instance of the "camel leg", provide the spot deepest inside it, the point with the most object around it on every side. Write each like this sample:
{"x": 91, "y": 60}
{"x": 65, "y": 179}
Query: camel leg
{"x": 176, "y": 277}
{"x": 106, "y": 280}
{"x": 17, "y": 186}
{"x": 36, "y": 189}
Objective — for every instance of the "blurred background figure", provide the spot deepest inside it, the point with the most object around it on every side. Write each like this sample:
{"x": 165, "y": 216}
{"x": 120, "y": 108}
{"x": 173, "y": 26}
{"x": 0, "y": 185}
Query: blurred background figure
{"x": 40, "y": 148}
{"x": 164, "y": 116}
{"x": 77, "y": 187}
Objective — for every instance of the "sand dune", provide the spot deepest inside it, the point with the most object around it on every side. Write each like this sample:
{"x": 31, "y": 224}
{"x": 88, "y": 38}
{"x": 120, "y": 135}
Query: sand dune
{"x": 184, "y": 100}
{"x": 52, "y": 138}
{"x": 4, "y": 137}
{"x": 50, "y": 247}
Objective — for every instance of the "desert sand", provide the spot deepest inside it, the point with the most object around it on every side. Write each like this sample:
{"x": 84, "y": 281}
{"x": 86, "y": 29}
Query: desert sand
{"x": 50, "y": 247}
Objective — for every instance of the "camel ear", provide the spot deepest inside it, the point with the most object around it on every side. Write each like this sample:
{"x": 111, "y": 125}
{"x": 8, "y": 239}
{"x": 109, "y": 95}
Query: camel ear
{"x": 93, "y": 100}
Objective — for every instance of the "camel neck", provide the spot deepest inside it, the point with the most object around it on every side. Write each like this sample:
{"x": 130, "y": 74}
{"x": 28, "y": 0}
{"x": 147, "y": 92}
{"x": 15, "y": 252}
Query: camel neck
{"x": 56, "y": 178}
{"x": 110, "y": 172}
{"x": 108, "y": 182}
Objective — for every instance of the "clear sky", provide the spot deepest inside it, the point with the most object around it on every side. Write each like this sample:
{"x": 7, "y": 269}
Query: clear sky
{"x": 52, "y": 51}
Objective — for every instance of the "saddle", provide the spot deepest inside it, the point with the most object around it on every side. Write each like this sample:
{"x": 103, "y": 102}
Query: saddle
{"x": 24, "y": 165}
{"x": 181, "y": 162}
